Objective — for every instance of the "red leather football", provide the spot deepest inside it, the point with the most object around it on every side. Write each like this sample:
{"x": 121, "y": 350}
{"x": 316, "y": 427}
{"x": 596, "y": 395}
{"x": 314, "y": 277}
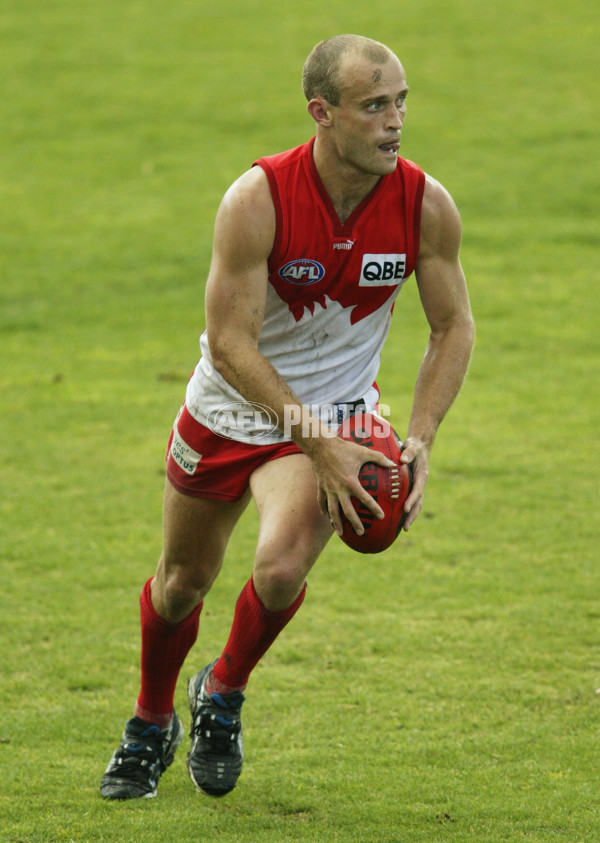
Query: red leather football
{"x": 389, "y": 486}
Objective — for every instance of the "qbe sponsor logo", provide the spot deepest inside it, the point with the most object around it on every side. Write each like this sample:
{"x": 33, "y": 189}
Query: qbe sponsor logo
{"x": 185, "y": 457}
{"x": 250, "y": 418}
{"x": 302, "y": 271}
{"x": 382, "y": 270}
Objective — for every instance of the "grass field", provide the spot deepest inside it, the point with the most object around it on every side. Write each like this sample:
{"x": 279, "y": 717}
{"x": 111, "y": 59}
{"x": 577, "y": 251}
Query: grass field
{"x": 445, "y": 690}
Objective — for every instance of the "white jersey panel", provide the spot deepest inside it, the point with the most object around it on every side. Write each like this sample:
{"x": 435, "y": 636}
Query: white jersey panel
{"x": 324, "y": 358}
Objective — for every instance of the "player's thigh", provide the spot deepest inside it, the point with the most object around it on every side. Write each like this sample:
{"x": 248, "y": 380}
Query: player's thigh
{"x": 196, "y": 532}
{"x": 292, "y": 529}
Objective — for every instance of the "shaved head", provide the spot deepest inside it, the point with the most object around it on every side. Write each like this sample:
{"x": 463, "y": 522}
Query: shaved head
{"x": 322, "y": 75}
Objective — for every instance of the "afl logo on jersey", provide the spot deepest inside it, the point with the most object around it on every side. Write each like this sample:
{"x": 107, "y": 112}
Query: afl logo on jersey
{"x": 302, "y": 271}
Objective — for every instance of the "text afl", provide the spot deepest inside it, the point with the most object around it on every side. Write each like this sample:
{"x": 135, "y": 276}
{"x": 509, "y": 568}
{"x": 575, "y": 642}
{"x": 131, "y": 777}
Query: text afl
{"x": 302, "y": 271}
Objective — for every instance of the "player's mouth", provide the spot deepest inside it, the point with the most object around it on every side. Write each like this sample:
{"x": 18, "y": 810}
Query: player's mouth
{"x": 391, "y": 147}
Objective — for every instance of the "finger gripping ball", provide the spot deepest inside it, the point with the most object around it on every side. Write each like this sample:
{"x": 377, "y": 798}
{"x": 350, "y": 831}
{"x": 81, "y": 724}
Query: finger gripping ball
{"x": 388, "y": 486}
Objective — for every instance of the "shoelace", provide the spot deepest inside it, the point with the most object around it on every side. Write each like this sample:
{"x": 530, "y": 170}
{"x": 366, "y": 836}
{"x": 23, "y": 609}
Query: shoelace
{"x": 221, "y": 730}
{"x": 136, "y": 759}
{"x": 222, "y": 734}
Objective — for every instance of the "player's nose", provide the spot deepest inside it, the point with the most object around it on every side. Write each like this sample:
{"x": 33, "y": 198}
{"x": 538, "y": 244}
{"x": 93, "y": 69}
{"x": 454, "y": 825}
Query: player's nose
{"x": 395, "y": 117}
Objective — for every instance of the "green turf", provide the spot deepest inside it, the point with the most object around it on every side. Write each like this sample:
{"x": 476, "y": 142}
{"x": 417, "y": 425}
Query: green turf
{"x": 445, "y": 690}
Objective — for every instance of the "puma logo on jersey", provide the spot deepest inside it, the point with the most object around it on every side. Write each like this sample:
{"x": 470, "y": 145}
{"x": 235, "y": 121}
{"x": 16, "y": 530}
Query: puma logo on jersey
{"x": 382, "y": 270}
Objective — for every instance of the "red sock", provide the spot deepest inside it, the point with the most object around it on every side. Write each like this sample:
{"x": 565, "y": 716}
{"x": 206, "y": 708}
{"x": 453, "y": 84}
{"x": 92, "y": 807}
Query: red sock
{"x": 253, "y": 631}
{"x": 164, "y": 648}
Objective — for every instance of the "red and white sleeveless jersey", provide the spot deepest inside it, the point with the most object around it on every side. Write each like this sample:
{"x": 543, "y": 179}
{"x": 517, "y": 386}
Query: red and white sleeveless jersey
{"x": 331, "y": 289}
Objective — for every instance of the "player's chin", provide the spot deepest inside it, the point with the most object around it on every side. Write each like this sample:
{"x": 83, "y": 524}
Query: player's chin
{"x": 388, "y": 161}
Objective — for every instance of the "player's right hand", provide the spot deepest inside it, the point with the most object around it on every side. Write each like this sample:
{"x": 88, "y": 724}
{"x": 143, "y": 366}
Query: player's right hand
{"x": 337, "y": 463}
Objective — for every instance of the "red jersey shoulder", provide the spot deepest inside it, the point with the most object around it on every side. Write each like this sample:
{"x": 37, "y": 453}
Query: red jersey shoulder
{"x": 282, "y": 159}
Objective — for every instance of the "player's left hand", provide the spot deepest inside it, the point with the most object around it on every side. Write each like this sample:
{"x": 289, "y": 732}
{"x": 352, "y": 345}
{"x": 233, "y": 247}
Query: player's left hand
{"x": 415, "y": 453}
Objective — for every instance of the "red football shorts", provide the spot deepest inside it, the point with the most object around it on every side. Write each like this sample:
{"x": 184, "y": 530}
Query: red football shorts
{"x": 204, "y": 465}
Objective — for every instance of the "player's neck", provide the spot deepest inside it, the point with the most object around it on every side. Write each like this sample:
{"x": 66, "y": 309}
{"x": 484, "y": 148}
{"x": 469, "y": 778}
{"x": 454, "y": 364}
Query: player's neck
{"x": 346, "y": 186}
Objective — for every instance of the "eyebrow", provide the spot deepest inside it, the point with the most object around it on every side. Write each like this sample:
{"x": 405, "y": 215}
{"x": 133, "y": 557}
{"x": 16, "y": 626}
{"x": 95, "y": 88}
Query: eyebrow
{"x": 383, "y": 98}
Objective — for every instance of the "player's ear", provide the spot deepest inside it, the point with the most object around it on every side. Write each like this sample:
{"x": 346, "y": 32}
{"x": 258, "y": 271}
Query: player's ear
{"x": 320, "y": 111}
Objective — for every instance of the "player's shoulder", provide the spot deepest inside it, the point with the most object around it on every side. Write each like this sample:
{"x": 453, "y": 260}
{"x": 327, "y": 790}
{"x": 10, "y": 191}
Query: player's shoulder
{"x": 255, "y": 187}
{"x": 437, "y": 201}
{"x": 248, "y": 199}
{"x": 251, "y": 187}
{"x": 440, "y": 219}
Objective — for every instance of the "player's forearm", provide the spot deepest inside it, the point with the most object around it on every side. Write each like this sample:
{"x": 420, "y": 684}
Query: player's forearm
{"x": 440, "y": 378}
{"x": 254, "y": 377}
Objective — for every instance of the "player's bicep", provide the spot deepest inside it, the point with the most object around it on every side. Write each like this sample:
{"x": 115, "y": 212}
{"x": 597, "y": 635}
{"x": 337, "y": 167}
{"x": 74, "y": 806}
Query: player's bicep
{"x": 443, "y": 292}
{"x": 238, "y": 277}
{"x": 439, "y": 274}
{"x": 234, "y": 304}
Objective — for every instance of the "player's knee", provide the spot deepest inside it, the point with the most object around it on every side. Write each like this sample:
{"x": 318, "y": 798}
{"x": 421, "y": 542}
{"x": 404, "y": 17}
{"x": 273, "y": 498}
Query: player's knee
{"x": 279, "y": 579}
{"x": 282, "y": 580}
{"x": 181, "y": 588}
